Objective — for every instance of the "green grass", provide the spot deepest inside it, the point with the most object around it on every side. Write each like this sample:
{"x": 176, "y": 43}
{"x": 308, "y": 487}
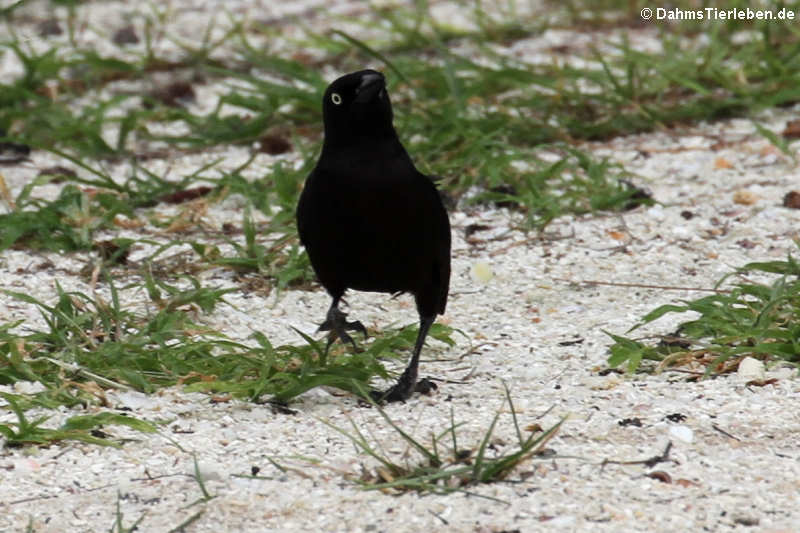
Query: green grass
{"x": 749, "y": 319}
{"x": 470, "y": 122}
{"x": 444, "y": 465}
{"x": 90, "y": 340}
{"x": 78, "y": 428}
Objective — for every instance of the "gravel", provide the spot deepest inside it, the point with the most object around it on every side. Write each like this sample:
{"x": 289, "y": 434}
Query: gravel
{"x": 528, "y": 322}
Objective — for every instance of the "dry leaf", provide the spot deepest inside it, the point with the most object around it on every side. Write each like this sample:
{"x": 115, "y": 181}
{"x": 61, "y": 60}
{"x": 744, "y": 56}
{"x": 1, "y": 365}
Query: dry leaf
{"x": 792, "y": 129}
{"x": 58, "y": 174}
{"x": 722, "y": 163}
{"x": 274, "y": 144}
{"x": 792, "y": 200}
{"x": 761, "y": 382}
{"x": 221, "y": 399}
{"x": 384, "y": 474}
{"x": 128, "y": 223}
{"x": 185, "y": 195}
{"x": 661, "y": 476}
{"x": 744, "y": 197}
{"x": 6, "y": 194}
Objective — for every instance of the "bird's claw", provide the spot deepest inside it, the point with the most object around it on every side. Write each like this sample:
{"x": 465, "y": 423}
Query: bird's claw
{"x": 356, "y": 325}
{"x": 335, "y": 323}
{"x": 401, "y": 391}
{"x": 425, "y": 386}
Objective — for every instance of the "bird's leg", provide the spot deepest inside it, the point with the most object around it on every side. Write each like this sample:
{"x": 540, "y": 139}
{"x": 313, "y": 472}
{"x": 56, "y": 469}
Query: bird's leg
{"x": 336, "y": 323}
{"x": 407, "y": 383}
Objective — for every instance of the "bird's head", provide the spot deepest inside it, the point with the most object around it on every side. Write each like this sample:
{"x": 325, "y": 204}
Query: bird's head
{"x": 357, "y": 106}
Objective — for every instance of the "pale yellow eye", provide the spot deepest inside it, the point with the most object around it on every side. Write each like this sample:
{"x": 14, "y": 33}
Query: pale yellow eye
{"x": 336, "y": 99}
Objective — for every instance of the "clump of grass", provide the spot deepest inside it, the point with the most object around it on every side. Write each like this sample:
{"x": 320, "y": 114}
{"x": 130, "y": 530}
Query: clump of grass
{"x": 78, "y": 428}
{"x": 281, "y": 261}
{"x": 90, "y": 345}
{"x": 70, "y": 222}
{"x": 750, "y": 319}
{"x": 444, "y": 465}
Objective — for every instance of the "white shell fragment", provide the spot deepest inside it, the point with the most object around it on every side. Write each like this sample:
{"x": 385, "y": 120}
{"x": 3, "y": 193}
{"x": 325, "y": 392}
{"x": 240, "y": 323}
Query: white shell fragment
{"x": 682, "y": 433}
{"x": 481, "y": 272}
{"x": 751, "y": 369}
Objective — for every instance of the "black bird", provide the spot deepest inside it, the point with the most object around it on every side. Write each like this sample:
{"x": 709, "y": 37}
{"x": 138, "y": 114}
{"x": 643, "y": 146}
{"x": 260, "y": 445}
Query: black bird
{"x": 370, "y": 221}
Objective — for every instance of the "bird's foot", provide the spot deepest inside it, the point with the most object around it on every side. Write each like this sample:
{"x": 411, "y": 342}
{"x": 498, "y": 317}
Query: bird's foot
{"x": 425, "y": 386}
{"x": 337, "y": 324}
{"x": 403, "y": 390}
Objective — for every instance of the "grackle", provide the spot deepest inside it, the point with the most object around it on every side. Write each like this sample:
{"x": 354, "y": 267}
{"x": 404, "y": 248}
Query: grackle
{"x": 369, "y": 220}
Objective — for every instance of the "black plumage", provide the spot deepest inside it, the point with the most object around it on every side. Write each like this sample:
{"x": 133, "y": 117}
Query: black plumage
{"x": 370, "y": 221}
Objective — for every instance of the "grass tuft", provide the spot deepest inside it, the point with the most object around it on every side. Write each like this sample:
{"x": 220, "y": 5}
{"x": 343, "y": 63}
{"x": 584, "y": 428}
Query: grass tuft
{"x": 90, "y": 345}
{"x": 440, "y": 469}
{"x": 750, "y": 319}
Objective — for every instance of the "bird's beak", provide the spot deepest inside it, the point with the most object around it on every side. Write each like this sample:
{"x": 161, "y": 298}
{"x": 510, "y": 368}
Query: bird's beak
{"x": 371, "y": 84}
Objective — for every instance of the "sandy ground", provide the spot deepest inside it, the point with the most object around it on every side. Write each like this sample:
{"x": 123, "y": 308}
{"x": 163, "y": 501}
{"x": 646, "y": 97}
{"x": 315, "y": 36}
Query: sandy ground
{"x": 733, "y": 464}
